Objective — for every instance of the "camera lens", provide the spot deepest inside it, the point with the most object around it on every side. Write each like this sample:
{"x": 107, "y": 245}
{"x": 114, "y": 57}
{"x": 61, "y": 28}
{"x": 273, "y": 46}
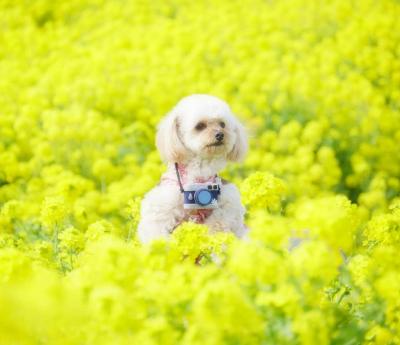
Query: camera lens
{"x": 203, "y": 197}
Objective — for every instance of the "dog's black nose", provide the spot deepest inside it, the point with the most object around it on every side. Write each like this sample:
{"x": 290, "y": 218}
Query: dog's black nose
{"x": 219, "y": 136}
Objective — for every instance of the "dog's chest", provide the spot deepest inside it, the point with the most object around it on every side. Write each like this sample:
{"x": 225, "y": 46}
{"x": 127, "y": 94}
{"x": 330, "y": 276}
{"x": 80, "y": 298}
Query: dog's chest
{"x": 196, "y": 216}
{"x": 193, "y": 189}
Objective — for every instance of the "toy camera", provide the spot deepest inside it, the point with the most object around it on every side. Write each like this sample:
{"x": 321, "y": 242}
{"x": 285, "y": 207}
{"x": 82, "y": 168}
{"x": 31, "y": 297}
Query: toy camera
{"x": 201, "y": 196}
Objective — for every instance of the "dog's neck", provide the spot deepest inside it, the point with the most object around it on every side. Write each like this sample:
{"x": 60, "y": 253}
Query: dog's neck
{"x": 200, "y": 168}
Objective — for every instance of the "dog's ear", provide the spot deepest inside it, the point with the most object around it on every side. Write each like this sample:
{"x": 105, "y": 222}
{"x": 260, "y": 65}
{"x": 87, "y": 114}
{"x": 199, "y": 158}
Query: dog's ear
{"x": 168, "y": 142}
{"x": 240, "y": 147}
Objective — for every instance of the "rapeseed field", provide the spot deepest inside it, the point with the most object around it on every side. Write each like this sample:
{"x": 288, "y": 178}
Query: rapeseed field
{"x": 83, "y": 84}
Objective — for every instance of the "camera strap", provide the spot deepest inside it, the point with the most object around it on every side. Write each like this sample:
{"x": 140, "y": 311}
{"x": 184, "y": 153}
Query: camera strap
{"x": 179, "y": 178}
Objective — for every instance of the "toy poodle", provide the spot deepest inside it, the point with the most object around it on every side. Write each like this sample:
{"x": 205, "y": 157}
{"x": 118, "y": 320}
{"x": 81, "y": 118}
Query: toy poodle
{"x": 195, "y": 140}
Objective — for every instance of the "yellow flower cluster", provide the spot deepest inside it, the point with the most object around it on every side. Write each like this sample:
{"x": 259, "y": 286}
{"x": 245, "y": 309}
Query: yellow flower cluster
{"x": 83, "y": 85}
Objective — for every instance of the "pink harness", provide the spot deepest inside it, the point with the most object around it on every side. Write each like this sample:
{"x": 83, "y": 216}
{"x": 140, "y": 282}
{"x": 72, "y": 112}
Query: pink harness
{"x": 197, "y": 216}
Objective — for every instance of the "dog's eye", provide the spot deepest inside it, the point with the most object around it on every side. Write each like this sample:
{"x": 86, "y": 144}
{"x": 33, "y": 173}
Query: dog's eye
{"x": 200, "y": 126}
{"x": 222, "y": 124}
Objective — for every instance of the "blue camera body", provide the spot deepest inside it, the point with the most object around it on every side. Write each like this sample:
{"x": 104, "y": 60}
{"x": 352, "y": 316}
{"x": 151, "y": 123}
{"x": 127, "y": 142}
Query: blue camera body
{"x": 201, "y": 196}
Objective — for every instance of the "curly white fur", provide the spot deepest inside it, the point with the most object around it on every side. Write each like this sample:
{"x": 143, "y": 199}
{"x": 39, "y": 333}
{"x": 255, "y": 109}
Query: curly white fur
{"x": 187, "y": 135}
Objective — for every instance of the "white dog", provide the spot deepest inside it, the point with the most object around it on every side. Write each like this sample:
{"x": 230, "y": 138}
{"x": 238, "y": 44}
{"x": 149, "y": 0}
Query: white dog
{"x": 195, "y": 139}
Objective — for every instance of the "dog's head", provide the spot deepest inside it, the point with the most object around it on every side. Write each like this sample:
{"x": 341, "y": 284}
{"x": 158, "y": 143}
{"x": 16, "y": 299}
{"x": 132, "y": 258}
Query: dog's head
{"x": 201, "y": 126}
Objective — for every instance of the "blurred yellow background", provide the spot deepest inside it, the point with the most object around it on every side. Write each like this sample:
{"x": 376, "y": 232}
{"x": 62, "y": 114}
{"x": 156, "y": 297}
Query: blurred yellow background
{"x": 83, "y": 84}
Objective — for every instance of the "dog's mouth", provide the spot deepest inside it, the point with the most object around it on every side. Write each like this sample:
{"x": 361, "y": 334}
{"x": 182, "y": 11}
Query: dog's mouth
{"x": 217, "y": 143}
